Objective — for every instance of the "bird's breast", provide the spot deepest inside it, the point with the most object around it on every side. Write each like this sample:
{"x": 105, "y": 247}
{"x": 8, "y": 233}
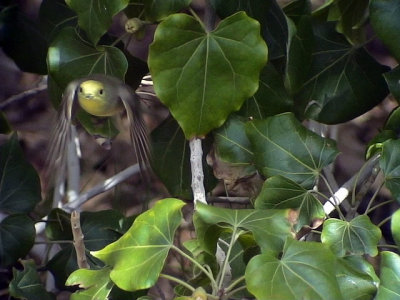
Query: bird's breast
{"x": 99, "y": 107}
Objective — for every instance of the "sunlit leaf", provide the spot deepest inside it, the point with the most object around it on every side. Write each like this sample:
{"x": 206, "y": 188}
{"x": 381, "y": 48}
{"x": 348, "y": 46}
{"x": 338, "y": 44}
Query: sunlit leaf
{"x": 280, "y": 192}
{"x": 138, "y": 256}
{"x": 26, "y": 284}
{"x": 306, "y": 270}
{"x": 358, "y": 236}
{"x": 389, "y": 288}
{"x": 95, "y": 17}
{"x": 282, "y": 146}
{"x": 269, "y": 227}
{"x": 17, "y": 235}
{"x": 203, "y": 76}
{"x": 20, "y": 187}
{"x": 390, "y": 165}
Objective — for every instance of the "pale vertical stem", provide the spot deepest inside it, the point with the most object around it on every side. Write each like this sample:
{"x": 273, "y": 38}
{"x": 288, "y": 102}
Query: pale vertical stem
{"x": 196, "y": 154}
{"x": 73, "y": 153}
{"x": 78, "y": 240}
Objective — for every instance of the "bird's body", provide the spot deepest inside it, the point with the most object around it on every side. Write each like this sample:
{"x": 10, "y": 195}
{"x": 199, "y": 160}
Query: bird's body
{"x": 100, "y": 96}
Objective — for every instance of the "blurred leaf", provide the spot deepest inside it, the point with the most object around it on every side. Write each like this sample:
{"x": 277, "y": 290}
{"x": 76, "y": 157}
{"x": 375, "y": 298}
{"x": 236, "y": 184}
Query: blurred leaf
{"x": 345, "y": 80}
{"x": 390, "y": 166}
{"x": 385, "y": 20}
{"x": 395, "y": 227}
{"x": 214, "y": 71}
{"x": 171, "y": 160}
{"x": 375, "y": 145}
{"x": 26, "y": 284}
{"x": 389, "y": 288}
{"x": 4, "y": 126}
{"x": 392, "y": 78}
{"x": 305, "y": 270}
{"x": 21, "y": 39}
{"x": 393, "y": 121}
{"x": 282, "y": 146}
{"x": 357, "y": 237}
{"x": 271, "y": 97}
{"x": 17, "y": 235}
{"x": 97, "y": 284}
{"x": 54, "y": 15}
{"x": 280, "y": 192}
{"x": 95, "y": 17}
{"x": 271, "y": 17}
{"x": 139, "y": 255}
{"x": 20, "y": 187}
{"x": 157, "y": 10}
{"x": 356, "y": 277}
{"x": 269, "y": 227}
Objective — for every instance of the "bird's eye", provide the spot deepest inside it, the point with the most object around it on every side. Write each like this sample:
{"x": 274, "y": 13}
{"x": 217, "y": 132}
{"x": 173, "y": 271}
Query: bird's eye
{"x": 80, "y": 90}
{"x": 101, "y": 92}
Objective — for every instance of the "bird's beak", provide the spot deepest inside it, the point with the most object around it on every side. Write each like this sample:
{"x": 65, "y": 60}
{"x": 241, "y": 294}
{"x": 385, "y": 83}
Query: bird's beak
{"x": 89, "y": 96}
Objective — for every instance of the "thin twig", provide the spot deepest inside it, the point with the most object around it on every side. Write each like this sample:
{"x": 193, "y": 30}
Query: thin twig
{"x": 196, "y": 154}
{"x": 78, "y": 240}
{"x": 73, "y": 166}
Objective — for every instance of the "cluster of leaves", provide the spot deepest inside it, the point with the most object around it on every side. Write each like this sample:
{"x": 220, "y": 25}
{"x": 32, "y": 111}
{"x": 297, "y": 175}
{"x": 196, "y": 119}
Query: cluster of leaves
{"x": 245, "y": 86}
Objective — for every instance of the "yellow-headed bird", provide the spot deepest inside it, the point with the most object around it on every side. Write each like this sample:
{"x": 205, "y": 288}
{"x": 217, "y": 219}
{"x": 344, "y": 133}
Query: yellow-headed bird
{"x": 101, "y": 96}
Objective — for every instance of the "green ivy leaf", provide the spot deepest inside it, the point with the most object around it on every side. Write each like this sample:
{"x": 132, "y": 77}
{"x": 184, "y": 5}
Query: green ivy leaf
{"x": 20, "y": 187}
{"x": 271, "y": 97}
{"x": 356, "y": 277}
{"x": 282, "y": 146}
{"x": 138, "y": 256}
{"x": 269, "y": 227}
{"x": 95, "y": 17}
{"x": 306, "y": 270}
{"x": 280, "y": 192}
{"x": 271, "y": 17}
{"x": 17, "y": 235}
{"x": 390, "y": 166}
{"x": 358, "y": 237}
{"x": 26, "y": 284}
{"x": 343, "y": 79}
{"x": 96, "y": 283}
{"x": 171, "y": 160}
{"x": 385, "y": 20}
{"x": 389, "y": 288}
{"x": 212, "y": 72}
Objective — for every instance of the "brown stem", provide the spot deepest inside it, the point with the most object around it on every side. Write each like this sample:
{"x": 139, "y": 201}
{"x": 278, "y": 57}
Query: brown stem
{"x": 78, "y": 240}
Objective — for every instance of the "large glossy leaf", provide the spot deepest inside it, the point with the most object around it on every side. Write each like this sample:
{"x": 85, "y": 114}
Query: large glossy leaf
{"x": 171, "y": 160}
{"x": 271, "y": 97}
{"x": 17, "y": 234}
{"x": 97, "y": 284}
{"x": 305, "y": 270}
{"x": 26, "y": 284}
{"x": 20, "y": 187}
{"x": 389, "y": 288}
{"x": 385, "y": 20}
{"x": 280, "y": 192}
{"x": 357, "y": 237}
{"x": 344, "y": 81}
{"x": 356, "y": 277}
{"x": 282, "y": 146}
{"x": 203, "y": 76}
{"x": 269, "y": 227}
{"x": 138, "y": 256}
{"x": 271, "y": 17}
{"x": 390, "y": 165}
{"x": 95, "y": 17}
{"x": 22, "y": 40}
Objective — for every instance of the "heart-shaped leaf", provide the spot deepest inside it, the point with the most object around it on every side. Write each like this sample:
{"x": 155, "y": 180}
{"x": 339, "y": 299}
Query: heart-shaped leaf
{"x": 203, "y": 76}
{"x": 138, "y": 256}
{"x": 385, "y": 19}
{"x": 20, "y": 187}
{"x": 306, "y": 270}
{"x": 358, "y": 237}
{"x": 17, "y": 235}
{"x": 281, "y": 192}
{"x": 269, "y": 227}
{"x": 26, "y": 284}
{"x": 390, "y": 166}
{"x": 389, "y": 288}
{"x": 282, "y": 146}
{"x": 95, "y": 17}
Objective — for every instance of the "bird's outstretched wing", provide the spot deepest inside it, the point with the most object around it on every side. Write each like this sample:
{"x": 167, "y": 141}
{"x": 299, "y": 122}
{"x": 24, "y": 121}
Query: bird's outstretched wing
{"x": 137, "y": 127}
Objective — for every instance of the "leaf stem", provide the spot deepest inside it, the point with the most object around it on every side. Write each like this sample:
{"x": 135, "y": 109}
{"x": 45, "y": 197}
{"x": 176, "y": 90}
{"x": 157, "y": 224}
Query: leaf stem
{"x": 231, "y": 293}
{"x": 221, "y": 274}
{"x": 234, "y": 283}
{"x": 179, "y": 281}
{"x": 384, "y": 221}
{"x": 373, "y": 198}
{"x": 196, "y": 16}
